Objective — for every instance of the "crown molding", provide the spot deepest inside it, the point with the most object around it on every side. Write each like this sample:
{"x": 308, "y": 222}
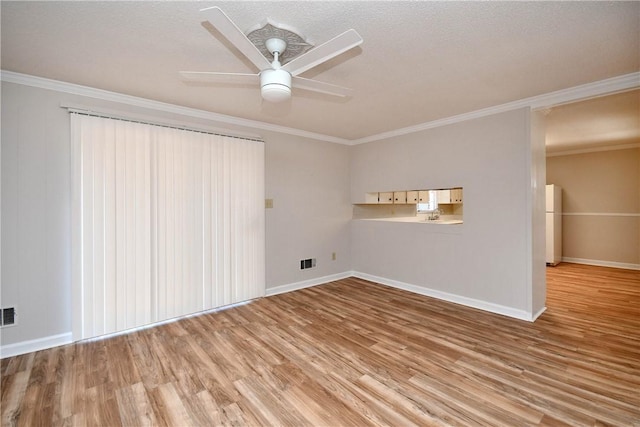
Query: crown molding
{"x": 74, "y": 89}
{"x": 592, "y": 149}
{"x": 590, "y": 90}
{"x": 581, "y": 92}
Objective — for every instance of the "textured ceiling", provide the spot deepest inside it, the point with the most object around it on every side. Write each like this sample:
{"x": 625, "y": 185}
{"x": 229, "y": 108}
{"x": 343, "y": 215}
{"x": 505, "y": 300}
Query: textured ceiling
{"x": 420, "y": 61}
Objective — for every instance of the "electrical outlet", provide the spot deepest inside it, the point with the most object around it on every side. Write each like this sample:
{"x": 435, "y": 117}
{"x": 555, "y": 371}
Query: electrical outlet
{"x": 333, "y": 256}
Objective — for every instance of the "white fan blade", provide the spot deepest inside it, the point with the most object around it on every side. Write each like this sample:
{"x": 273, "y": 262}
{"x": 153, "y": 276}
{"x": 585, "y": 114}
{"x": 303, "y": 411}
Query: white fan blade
{"x": 316, "y": 86}
{"x": 334, "y": 47}
{"x": 211, "y": 77}
{"x": 232, "y": 33}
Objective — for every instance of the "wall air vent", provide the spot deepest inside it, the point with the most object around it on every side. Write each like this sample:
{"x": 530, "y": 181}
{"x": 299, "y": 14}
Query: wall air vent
{"x": 307, "y": 263}
{"x": 7, "y": 316}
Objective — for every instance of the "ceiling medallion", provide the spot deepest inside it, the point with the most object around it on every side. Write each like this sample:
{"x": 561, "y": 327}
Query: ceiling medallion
{"x": 296, "y": 45}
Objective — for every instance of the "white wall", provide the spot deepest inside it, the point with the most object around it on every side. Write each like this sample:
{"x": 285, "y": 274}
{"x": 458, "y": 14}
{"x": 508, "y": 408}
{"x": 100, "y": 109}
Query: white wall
{"x": 308, "y": 180}
{"x": 485, "y": 262}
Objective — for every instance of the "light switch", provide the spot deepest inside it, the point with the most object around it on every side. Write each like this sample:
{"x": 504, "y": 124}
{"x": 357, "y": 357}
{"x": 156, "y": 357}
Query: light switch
{"x": 268, "y": 203}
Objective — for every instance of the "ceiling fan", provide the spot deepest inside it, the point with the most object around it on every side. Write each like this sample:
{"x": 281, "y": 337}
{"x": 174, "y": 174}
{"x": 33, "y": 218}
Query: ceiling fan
{"x": 274, "y": 78}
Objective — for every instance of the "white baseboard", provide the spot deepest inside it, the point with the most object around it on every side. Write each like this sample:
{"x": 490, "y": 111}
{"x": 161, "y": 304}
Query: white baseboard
{"x": 307, "y": 283}
{"x": 66, "y": 338}
{"x": 600, "y": 263}
{"x": 445, "y": 296}
{"x": 538, "y": 314}
{"x": 23, "y": 347}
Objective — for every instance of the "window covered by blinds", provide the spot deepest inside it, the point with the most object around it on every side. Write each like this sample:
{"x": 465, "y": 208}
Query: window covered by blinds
{"x": 166, "y": 222}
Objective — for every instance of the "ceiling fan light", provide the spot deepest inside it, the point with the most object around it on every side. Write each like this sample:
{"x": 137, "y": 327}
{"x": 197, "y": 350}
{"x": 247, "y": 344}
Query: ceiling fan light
{"x": 274, "y": 92}
{"x": 275, "y": 85}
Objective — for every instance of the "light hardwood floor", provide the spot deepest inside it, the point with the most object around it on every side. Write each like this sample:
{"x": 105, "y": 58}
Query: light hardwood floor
{"x": 354, "y": 353}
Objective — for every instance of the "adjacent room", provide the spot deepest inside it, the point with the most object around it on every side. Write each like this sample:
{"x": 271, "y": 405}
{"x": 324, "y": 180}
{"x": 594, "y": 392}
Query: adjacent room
{"x": 320, "y": 213}
{"x": 592, "y": 156}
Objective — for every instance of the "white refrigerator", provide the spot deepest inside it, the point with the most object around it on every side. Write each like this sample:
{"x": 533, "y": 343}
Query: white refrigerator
{"x": 554, "y": 224}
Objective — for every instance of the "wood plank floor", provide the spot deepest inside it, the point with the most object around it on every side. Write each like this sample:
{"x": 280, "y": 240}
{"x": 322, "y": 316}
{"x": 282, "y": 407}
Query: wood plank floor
{"x": 354, "y": 353}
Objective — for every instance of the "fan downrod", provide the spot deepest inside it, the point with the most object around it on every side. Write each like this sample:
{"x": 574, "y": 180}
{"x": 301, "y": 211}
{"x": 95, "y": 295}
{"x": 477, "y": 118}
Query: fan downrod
{"x": 275, "y": 83}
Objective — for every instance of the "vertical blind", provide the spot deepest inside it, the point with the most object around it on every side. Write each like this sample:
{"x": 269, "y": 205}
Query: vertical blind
{"x": 166, "y": 222}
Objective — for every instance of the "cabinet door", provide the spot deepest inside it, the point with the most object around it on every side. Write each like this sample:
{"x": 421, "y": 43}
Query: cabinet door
{"x": 400, "y": 197}
{"x": 456, "y": 195}
{"x": 385, "y": 198}
{"x": 412, "y": 197}
{"x": 371, "y": 198}
{"x": 423, "y": 196}
{"x": 443, "y": 196}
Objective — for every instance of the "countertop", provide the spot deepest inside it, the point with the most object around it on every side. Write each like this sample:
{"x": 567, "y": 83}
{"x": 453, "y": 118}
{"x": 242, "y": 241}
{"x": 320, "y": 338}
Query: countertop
{"x": 416, "y": 219}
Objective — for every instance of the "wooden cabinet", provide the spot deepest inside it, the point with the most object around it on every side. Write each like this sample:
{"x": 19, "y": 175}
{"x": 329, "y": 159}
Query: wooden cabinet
{"x": 412, "y": 196}
{"x": 385, "y": 197}
{"x": 443, "y": 196}
{"x": 400, "y": 197}
{"x": 456, "y": 195}
{"x": 451, "y": 196}
{"x": 371, "y": 198}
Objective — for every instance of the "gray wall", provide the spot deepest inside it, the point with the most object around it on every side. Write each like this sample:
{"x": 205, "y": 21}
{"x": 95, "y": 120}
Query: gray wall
{"x": 312, "y": 183}
{"x": 36, "y": 211}
{"x": 308, "y": 180}
{"x": 487, "y": 261}
{"x": 309, "y": 184}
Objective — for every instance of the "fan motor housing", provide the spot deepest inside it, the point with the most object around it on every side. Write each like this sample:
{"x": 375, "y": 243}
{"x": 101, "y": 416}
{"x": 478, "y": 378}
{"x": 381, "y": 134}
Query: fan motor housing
{"x": 275, "y": 85}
